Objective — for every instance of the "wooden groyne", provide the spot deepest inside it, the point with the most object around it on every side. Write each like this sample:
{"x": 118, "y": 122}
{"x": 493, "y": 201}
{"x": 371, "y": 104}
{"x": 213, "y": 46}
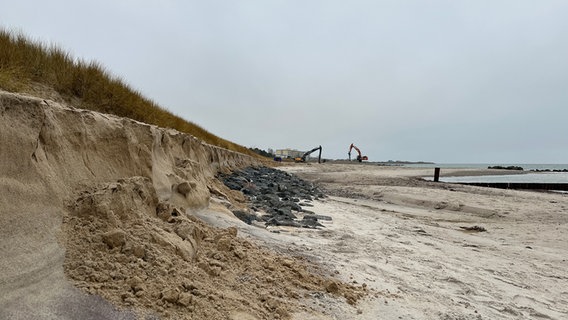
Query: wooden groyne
{"x": 519, "y": 185}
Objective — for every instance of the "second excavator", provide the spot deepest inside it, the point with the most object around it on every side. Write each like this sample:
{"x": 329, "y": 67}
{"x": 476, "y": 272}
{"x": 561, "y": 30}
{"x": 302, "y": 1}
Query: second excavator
{"x": 360, "y": 158}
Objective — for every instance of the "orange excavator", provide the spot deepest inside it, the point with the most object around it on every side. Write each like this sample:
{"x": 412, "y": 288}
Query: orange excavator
{"x": 360, "y": 158}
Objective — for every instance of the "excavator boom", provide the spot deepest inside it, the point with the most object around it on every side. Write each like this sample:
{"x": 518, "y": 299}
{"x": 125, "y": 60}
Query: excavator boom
{"x": 305, "y": 155}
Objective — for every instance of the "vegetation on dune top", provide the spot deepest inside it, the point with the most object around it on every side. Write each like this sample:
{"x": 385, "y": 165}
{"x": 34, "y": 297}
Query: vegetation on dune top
{"x": 27, "y": 65}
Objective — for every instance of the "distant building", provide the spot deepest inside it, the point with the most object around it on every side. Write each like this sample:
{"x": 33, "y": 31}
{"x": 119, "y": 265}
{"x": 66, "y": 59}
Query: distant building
{"x": 288, "y": 153}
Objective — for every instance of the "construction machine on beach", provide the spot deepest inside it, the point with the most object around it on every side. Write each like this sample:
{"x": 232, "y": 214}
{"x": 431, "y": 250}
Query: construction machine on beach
{"x": 360, "y": 158}
{"x": 305, "y": 155}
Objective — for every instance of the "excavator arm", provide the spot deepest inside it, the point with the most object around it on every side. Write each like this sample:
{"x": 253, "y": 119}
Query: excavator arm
{"x": 305, "y": 155}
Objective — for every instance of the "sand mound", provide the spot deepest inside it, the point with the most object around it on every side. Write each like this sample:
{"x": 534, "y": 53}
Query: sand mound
{"x": 124, "y": 245}
{"x": 107, "y": 202}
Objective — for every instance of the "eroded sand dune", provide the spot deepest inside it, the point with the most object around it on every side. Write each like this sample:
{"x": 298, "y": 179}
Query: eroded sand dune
{"x": 104, "y": 204}
{"x": 50, "y": 153}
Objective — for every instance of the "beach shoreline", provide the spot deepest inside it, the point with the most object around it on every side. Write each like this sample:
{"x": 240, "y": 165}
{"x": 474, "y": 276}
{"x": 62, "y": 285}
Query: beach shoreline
{"x": 437, "y": 250}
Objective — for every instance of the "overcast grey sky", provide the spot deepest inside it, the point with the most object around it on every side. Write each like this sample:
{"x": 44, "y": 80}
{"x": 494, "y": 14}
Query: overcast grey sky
{"x": 444, "y": 81}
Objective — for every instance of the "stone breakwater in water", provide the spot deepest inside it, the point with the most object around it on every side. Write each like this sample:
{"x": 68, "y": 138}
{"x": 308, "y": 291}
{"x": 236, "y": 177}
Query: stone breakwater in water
{"x": 276, "y": 198}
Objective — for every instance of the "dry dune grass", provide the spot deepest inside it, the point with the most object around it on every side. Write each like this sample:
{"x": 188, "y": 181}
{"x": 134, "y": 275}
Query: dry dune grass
{"x": 26, "y": 64}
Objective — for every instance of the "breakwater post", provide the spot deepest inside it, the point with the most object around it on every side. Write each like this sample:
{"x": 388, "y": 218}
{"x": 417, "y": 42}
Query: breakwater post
{"x": 436, "y": 174}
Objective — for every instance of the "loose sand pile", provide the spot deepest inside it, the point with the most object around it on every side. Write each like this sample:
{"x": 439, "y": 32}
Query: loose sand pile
{"x": 127, "y": 247}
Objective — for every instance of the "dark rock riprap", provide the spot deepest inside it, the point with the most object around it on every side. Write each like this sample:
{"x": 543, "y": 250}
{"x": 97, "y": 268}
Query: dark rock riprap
{"x": 280, "y": 196}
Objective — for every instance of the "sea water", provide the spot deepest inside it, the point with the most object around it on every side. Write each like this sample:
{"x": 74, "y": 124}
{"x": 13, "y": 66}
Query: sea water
{"x": 527, "y": 176}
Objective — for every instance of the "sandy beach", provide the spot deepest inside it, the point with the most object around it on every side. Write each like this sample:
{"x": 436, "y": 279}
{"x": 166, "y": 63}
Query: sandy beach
{"x": 408, "y": 240}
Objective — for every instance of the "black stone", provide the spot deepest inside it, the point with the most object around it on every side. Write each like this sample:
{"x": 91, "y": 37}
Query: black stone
{"x": 248, "y": 218}
{"x": 277, "y": 193}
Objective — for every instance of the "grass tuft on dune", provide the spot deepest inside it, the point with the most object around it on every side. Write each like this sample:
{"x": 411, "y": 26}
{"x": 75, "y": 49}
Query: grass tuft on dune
{"x": 29, "y": 66}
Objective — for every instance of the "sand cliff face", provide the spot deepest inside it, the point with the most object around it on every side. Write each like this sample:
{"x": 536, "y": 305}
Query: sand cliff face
{"x": 51, "y": 157}
{"x": 59, "y": 148}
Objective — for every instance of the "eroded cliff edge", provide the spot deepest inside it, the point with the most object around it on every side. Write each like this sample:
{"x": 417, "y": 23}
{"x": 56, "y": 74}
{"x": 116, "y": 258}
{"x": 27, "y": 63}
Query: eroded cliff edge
{"x": 51, "y": 153}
